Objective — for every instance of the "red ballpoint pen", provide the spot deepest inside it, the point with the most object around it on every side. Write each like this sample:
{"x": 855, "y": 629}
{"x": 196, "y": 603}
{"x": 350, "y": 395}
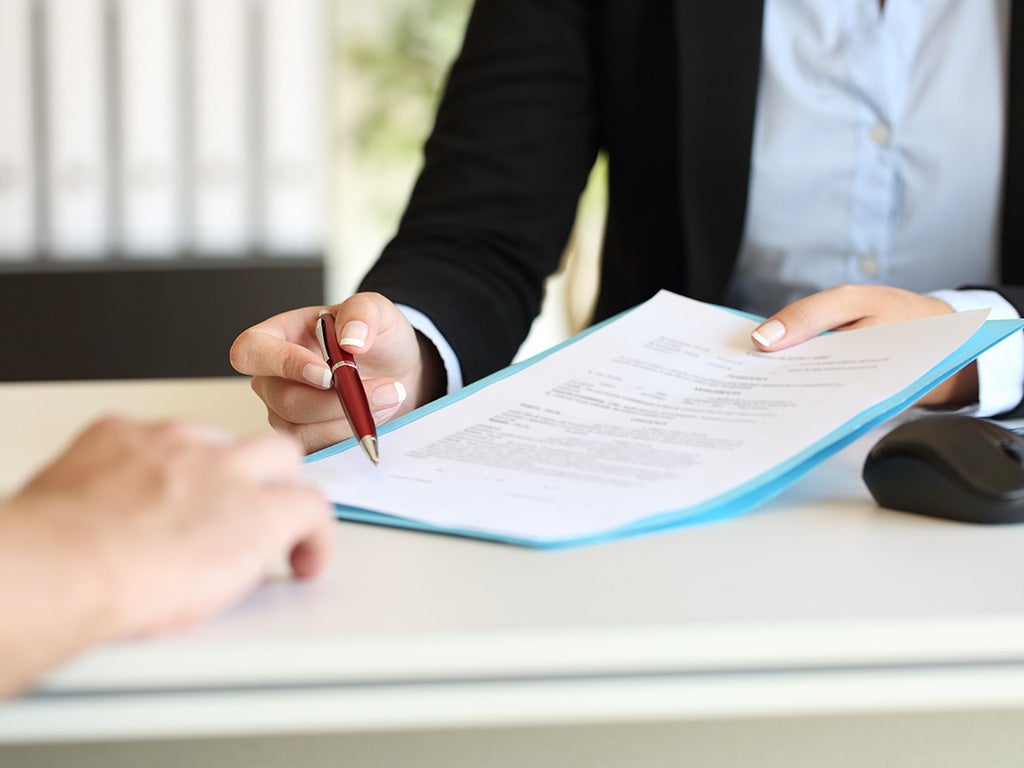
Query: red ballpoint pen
{"x": 348, "y": 385}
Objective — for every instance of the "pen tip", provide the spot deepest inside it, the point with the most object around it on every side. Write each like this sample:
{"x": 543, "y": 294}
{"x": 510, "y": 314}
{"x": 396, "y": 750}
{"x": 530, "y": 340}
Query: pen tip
{"x": 369, "y": 444}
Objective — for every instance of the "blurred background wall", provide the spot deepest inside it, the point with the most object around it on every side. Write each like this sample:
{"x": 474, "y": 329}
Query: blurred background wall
{"x": 172, "y": 171}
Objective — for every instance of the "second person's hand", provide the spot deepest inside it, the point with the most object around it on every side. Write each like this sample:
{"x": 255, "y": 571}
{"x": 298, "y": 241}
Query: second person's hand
{"x": 401, "y": 370}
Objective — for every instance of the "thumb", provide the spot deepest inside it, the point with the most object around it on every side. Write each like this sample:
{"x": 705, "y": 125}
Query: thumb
{"x": 806, "y": 318}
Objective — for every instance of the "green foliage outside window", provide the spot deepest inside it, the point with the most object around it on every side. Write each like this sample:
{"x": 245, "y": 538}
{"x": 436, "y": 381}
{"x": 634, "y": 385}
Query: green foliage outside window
{"x": 405, "y": 70}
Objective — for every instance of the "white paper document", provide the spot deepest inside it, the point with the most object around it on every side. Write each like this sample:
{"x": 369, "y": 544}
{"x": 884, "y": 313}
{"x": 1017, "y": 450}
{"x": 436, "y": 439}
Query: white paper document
{"x": 663, "y": 414}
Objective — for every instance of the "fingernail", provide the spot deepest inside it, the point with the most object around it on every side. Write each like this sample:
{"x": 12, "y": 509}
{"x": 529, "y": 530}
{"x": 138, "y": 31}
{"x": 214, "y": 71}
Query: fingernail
{"x": 317, "y": 376}
{"x": 354, "y": 334}
{"x": 769, "y": 333}
{"x": 388, "y": 395}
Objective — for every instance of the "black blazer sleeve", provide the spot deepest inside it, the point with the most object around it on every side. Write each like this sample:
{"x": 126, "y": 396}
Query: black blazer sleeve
{"x": 514, "y": 140}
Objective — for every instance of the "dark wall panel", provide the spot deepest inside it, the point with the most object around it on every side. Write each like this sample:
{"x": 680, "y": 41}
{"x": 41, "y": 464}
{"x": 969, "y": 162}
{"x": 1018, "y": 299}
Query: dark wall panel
{"x": 152, "y": 323}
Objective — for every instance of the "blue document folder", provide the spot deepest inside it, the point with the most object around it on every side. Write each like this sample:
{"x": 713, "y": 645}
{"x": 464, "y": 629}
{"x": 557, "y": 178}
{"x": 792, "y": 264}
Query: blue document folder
{"x": 734, "y": 501}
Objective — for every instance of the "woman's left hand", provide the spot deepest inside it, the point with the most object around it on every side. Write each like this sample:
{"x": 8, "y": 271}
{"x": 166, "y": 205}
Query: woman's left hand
{"x": 846, "y": 307}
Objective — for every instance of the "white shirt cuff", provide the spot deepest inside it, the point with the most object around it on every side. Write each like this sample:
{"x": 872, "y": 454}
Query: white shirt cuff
{"x": 426, "y": 326}
{"x": 1001, "y": 368}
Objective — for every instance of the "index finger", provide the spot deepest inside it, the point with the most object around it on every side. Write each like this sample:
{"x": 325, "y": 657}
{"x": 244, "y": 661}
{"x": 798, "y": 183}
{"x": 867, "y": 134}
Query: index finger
{"x": 281, "y": 347}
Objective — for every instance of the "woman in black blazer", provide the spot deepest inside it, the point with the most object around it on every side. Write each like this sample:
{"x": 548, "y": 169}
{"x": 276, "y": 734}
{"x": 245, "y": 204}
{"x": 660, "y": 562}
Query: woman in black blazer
{"x": 668, "y": 90}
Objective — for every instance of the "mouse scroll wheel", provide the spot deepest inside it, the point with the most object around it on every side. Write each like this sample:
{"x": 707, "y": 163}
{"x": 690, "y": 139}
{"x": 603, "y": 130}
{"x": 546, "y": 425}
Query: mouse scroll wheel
{"x": 1013, "y": 449}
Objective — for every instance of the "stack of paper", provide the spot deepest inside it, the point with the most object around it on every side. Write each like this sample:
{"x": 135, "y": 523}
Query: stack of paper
{"x": 661, "y": 417}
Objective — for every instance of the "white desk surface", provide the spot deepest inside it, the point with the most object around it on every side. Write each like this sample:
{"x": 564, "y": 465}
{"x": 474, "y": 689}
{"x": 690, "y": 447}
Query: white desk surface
{"x": 817, "y": 602}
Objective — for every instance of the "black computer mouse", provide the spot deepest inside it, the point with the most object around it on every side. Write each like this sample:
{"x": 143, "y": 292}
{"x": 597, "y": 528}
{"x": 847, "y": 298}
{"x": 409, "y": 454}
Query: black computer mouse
{"x": 952, "y": 466}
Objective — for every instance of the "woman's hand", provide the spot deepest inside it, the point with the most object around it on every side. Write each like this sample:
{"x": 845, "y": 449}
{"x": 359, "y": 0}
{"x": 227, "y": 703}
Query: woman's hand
{"x": 400, "y": 369}
{"x": 846, "y": 307}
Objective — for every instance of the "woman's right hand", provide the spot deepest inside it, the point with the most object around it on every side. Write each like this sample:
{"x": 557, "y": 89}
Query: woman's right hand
{"x": 401, "y": 370}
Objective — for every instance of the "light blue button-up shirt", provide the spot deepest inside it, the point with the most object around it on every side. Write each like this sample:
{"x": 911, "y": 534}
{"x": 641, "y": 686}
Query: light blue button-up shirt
{"x": 878, "y": 158}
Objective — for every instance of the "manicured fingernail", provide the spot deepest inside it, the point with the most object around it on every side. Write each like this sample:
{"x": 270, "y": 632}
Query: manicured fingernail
{"x": 388, "y": 395}
{"x": 354, "y": 334}
{"x": 317, "y": 376}
{"x": 769, "y": 333}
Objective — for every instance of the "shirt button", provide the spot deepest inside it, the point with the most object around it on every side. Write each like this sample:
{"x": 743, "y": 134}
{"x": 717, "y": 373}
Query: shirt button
{"x": 868, "y": 266}
{"x": 881, "y": 134}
